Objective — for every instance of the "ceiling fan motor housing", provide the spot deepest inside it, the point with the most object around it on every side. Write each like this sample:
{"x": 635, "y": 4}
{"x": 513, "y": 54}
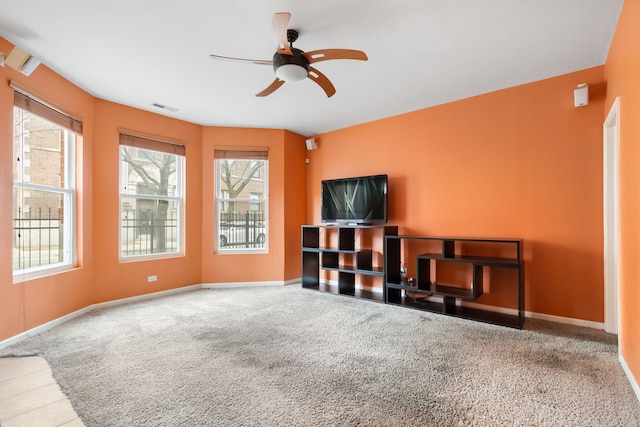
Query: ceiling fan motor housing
{"x": 291, "y": 67}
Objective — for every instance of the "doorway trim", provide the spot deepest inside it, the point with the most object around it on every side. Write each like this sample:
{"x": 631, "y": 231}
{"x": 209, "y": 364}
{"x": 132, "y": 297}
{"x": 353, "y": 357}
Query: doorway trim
{"x": 611, "y": 210}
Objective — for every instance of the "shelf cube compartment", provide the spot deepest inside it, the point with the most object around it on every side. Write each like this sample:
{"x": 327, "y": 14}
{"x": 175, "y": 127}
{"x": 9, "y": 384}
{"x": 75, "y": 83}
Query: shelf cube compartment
{"x": 346, "y": 239}
{"x": 449, "y": 248}
{"x": 364, "y": 259}
{"x": 423, "y": 278}
{"x": 456, "y": 279}
{"x": 392, "y": 260}
{"x": 310, "y": 271}
{"x": 330, "y": 259}
{"x": 448, "y": 305}
{"x": 346, "y": 283}
{"x": 310, "y": 237}
{"x": 477, "y": 285}
{"x": 392, "y": 295}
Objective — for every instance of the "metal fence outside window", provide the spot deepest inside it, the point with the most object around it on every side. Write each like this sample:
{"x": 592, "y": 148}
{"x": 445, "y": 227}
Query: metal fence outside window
{"x": 242, "y": 230}
{"x": 37, "y": 238}
{"x": 143, "y": 233}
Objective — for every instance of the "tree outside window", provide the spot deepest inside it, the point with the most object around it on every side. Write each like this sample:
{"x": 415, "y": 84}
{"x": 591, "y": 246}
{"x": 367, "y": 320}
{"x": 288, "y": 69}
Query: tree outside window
{"x": 150, "y": 202}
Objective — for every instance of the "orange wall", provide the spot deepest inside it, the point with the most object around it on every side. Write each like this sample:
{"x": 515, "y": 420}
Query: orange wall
{"x": 26, "y": 305}
{"x": 284, "y": 161}
{"x": 521, "y": 162}
{"x": 114, "y": 279}
{"x": 100, "y": 276}
{"x": 295, "y": 181}
{"x": 623, "y": 70}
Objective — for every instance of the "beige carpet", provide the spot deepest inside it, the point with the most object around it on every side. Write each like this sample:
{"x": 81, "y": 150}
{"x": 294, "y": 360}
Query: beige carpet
{"x": 285, "y": 356}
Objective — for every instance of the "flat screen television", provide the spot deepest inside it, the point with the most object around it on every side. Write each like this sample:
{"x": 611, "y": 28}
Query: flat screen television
{"x": 358, "y": 200}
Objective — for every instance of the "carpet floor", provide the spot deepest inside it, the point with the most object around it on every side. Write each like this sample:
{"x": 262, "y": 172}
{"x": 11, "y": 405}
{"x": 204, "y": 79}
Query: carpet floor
{"x": 286, "y": 356}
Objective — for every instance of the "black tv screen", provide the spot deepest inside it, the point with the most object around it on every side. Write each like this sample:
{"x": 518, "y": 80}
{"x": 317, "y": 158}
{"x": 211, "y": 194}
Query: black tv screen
{"x": 359, "y": 200}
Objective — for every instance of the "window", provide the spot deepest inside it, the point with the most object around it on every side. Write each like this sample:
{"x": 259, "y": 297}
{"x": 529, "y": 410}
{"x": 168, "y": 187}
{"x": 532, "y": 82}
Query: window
{"x": 151, "y": 198}
{"x": 44, "y": 194}
{"x": 256, "y": 204}
{"x": 242, "y": 208}
{"x": 225, "y": 196}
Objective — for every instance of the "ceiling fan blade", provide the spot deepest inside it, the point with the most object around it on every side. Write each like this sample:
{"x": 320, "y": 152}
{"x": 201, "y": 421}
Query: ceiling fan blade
{"x": 279, "y": 26}
{"x": 327, "y": 54}
{"x": 253, "y": 61}
{"x": 322, "y": 81}
{"x": 271, "y": 88}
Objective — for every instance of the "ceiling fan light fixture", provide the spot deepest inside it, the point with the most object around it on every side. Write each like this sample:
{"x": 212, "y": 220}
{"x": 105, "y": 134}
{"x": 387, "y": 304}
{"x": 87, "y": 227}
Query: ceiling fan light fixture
{"x": 291, "y": 72}
{"x": 291, "y": 68}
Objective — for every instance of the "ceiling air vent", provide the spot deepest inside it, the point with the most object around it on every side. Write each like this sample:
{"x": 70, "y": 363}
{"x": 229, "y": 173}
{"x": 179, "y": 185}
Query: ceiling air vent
{"x": 164, "y": 107}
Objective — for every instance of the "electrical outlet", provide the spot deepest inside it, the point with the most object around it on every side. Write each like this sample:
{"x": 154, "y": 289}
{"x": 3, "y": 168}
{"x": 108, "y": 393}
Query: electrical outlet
{"x": 152, "y": 278}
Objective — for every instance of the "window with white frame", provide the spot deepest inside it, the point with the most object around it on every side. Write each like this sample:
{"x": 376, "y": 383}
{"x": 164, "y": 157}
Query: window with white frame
{"x": 242, "y": 207}
{"x": 151, "y": 198}
{"x": 44, "y": 194}
{"x": 256, "y": 202}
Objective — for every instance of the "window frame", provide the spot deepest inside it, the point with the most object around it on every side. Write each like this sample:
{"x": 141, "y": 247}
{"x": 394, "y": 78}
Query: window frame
{"x": 72, "y": 131}
{"x": 241, "y": 154}
{"x": 256, "y": 199}
{"x": 128, "y": 140}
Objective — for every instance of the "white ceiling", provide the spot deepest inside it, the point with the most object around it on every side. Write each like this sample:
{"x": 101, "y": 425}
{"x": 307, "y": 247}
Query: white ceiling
{"x": 421, "y": 52}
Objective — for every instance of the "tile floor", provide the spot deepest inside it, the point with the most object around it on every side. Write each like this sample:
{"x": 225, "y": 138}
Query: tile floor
{"x": 30, "y": 397}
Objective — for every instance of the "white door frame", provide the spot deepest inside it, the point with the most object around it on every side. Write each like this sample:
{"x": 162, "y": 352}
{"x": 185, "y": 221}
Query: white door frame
{"x": 611, "y": 196}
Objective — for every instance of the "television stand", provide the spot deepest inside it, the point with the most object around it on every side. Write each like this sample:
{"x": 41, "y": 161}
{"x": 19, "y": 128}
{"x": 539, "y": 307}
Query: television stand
{"x": 490, "y": 271}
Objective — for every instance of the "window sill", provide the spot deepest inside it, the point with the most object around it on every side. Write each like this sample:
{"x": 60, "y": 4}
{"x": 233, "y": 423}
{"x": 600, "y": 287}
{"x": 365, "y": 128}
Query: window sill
{"x": 152, "y": 257}
{"x": 34, "y": 274}
{"x": 243, "y": 251}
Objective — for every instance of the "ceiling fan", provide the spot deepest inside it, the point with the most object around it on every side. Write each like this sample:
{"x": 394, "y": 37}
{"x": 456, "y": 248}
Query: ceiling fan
{"x": 291, "y": 64}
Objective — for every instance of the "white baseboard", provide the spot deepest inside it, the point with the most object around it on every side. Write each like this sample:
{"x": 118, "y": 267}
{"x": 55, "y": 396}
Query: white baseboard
{"x": 565, "y": 320}
{"x": 529, "y": 314}
{"x": 233, "y": 285}
{"x": 539, "y": 316}
{"x": 144, "y": 297}
{"x": 630, "y": 377}
{"x": 44, "y": 327}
